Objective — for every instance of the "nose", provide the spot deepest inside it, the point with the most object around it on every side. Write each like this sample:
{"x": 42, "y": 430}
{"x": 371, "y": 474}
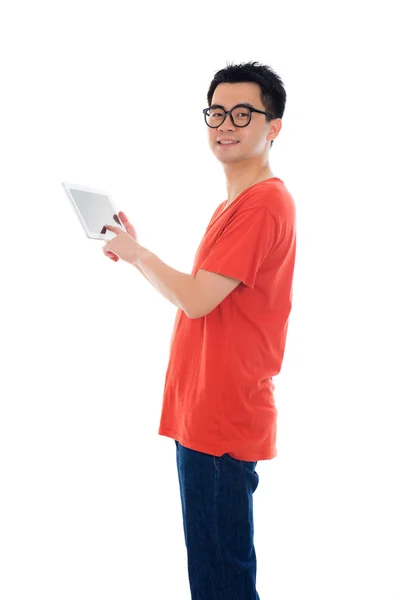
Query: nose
{"x": 227, "y": 125}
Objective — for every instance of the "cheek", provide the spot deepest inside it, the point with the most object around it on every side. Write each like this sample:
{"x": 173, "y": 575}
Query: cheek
{"x": 211, "y": 137}
{"x": 258, "y": 143}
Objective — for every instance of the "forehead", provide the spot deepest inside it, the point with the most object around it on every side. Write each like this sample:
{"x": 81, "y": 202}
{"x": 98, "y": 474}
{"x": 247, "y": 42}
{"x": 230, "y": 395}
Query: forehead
{"x": 229, "y": 94}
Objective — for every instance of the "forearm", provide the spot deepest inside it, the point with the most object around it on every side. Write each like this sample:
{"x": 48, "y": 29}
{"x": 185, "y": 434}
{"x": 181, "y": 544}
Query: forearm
{"x": 175, "y": 286}
{"x": 140, "y": 271}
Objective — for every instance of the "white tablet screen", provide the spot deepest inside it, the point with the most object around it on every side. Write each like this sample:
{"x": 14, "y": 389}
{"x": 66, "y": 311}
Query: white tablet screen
{"x": 96, "y": 210}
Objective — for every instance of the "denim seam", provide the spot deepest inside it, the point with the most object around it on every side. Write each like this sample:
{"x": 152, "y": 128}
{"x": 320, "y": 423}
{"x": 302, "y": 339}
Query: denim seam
{"x": 217, "y": 530}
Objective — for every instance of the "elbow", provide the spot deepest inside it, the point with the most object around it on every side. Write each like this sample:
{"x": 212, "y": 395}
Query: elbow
{"x": 199, "y": 314}
{"x": 193, "y": 314}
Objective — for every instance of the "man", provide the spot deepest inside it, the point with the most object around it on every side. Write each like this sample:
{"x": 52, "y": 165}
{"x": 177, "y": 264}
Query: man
{"x": 229, "y": 334}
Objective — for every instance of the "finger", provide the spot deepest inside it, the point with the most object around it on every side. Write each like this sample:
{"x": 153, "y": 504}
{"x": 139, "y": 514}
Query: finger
{"x": 112, "y": 228}
{"x": 127, "y": 224}
{"x": 124, "y": 219}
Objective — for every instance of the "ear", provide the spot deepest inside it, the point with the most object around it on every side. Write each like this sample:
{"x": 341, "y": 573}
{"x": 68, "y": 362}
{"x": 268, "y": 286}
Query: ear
{"x": 274, "y": 128}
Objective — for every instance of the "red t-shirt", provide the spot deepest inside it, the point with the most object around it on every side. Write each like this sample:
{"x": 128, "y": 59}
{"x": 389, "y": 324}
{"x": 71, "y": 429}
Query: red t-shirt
{"x": 218, "y": 394}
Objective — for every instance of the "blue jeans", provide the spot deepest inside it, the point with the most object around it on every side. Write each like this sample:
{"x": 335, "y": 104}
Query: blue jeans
{"x": 217, "y": 507}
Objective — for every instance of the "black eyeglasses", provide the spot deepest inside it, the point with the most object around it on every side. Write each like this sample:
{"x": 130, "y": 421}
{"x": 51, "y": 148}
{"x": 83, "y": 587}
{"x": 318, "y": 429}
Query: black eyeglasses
{"x": 240, "y": 115}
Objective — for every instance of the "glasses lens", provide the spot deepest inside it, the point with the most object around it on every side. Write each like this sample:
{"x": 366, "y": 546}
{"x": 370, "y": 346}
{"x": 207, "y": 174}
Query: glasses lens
{"x": 241, "y": 116}
{"x": 215, "y": 116}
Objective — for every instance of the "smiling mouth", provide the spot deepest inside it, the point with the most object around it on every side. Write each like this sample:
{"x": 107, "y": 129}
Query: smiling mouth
{"x": 233, "y": 143}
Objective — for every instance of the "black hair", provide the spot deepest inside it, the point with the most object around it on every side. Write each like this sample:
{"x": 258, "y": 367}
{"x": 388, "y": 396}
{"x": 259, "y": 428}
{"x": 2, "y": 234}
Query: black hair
{"x": 273, "y": 94}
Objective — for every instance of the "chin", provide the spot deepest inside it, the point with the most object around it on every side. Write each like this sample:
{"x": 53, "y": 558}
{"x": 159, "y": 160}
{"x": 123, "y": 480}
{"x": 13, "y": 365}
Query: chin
{"x": 229, "y": 159}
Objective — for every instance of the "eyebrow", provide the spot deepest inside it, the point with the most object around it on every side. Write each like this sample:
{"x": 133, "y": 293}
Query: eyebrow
{"x": 238, "y": 104}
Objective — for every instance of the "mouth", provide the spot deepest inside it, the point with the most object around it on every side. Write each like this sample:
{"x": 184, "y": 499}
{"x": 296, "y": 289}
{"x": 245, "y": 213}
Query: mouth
{"x": 227, "y": 143}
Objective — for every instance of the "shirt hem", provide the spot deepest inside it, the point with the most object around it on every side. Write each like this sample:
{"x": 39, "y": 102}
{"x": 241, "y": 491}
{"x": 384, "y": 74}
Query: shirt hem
{"x": 200, "y": 447}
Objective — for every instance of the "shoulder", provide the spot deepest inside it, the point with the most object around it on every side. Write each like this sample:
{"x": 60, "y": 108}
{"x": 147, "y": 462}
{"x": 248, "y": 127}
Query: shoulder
{"x": 272, "y": 195}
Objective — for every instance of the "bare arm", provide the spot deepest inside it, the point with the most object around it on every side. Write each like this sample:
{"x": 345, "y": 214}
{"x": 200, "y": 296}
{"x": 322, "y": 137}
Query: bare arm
{"x": 140, "y": 271}
{"x": 175, "y": 286}
{"x": 196, "y": 296}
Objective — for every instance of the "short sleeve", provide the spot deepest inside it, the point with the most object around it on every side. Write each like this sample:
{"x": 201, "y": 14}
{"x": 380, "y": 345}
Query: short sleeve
{"x": 245, "y": 242}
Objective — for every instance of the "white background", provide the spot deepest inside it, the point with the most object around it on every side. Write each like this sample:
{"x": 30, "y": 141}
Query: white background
{"x": 91, "y": 93}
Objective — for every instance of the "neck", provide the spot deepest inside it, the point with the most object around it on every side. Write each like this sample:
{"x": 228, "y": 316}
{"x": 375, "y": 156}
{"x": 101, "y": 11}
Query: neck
{"x": 241, "y": 176}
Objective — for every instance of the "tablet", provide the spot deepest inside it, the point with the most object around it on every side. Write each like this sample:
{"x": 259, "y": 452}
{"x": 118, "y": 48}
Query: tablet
{"x": 94, "y": 209}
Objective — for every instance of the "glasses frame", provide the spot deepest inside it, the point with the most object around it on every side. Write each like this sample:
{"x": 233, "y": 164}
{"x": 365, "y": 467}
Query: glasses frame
{"x": 229, "y": 112}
